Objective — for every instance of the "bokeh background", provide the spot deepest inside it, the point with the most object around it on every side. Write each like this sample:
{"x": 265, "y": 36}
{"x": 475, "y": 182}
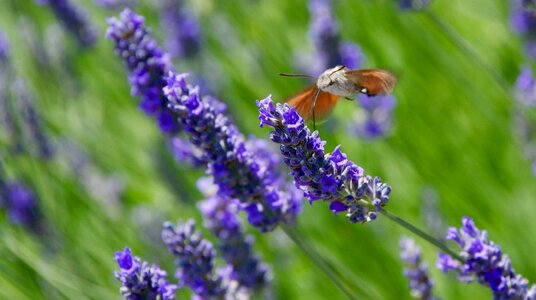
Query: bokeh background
{"x": 455, "y": 148}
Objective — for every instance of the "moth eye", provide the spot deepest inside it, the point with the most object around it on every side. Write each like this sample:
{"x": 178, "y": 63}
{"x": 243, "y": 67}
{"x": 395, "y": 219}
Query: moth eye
{"x": 364, "y": 90}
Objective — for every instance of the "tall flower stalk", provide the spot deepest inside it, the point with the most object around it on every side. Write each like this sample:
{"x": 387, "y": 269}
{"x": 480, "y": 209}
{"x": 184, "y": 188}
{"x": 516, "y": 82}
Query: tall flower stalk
{"x": 140, "y": 280}
{"x": 74, "y": 20}
{"x": 221, "y": 218}
{"x": 484, "y": 262}
{"x": 420, "y": 283}
{"x": 238, "y": 173}
{"x": 329, "y": 177}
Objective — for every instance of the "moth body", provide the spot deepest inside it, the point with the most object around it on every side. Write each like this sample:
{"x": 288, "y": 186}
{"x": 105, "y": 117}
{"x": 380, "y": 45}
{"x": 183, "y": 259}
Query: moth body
{"x": 335, "y": 81}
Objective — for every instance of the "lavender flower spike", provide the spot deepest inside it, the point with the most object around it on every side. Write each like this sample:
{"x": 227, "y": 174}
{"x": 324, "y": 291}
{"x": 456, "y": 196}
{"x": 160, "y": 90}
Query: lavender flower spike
{"x": 415, "y": 270}
{"x": 73, "y": 20}
{"x": 413, "y": 4}
{"x": 141, "y": 281}
{"x": 184, "y": 32}
{"x": 329, "y": 177}
{"x": 238, "y": 173}
{"x": 235, "y": 247}
{"x": 147, "y": 65}
{"x": 195, "y": 259}
{"x": 485, "y": 262}
{"x": 325, "y": 35}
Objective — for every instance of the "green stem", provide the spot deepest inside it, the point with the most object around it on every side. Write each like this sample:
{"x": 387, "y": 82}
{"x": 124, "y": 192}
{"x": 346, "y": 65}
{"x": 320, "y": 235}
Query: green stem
{"x": 422, "y": 234}
{"x": 319, "y": 261}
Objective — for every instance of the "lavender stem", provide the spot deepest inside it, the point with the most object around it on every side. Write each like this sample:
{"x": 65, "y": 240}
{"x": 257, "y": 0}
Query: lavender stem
{"x": 319, "y": 261}
{"x": 425, "y": 236}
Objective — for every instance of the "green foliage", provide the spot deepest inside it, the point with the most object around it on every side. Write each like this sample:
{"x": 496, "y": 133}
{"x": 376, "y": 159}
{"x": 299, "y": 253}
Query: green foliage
{"x": 454, "y": 131}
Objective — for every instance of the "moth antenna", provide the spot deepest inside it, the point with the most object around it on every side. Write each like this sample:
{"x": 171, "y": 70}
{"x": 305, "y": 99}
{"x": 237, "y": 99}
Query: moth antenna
{"x": 317, "y": 92}
{"x": 295, "y": 75}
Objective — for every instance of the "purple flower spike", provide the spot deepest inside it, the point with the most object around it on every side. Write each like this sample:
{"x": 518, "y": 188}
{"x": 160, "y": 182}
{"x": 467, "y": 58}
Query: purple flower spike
{"x": 239, "y": 173}
{"x": 413, "y": 4}
{"x": 526, "y": 88}
{"x": 328, "y": 177}
{"x": 20, "y": 204}
{"x": 415, "y": 270}
{"x": 324, "y": 33}
{"x": 523, "y": 22}
{"x": 374, "y": 120}
{"x": 235, "y": 247}
{"x": 74, "y": 21}
{"x": 195, "y": 259}
{"x": 147, "y": 65}
{"x": 141, "y": 281}
{"x": 4, "y": 48}
{"x": 485, "y": 262}
{"x": 184, "y": 32}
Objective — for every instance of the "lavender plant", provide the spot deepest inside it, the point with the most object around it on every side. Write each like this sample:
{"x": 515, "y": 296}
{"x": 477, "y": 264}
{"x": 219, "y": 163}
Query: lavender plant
{"x": 485, "y": 262}
{"x": 147, "y": 65}
{"x": 195, "y": 259}
{"x": 238, "y": 173}
{"x": 20, "y": 204}
{"x": 375, "y": 119}
{"x": 413, "y": 4}
{"x": 220, "y": 216}
{"x": 329, "y": 177}
{"x": 141, "y": 281}
{"x": 523, "y": 22}
{"x": 420, "y": 283}
{"x": 183, "y": 30}
{"x": 74, "y": 20}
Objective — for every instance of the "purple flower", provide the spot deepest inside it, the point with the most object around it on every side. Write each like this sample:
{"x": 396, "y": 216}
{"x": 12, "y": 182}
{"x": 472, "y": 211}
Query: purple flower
{"x": 413, "y": 4}
{"x": 141, "y": 281}
{"x": 526, "y": 88}
{"x": 415, "y": 270}
{"x": 185, "y": 152}
{"x": 374, "y": 120}
{"x": 115, "y": 4}
{"x": 147, "y": 65}
{"x": 20, "y": 204}
{"x": 329, "y": 177}
{"x": 32, "y": 121}
{"x": 195, "y": 259}
{"x": 324, "y": 33}
{"x": 4, "y": 48}
{"x": 183, "y": 30}
{"x": 235, "y": 247}
{"x": 239, "y": 173}
{"x": 74, "y": 20}
{"x": 523, "y": 22}
{"x": 485, "y": 262}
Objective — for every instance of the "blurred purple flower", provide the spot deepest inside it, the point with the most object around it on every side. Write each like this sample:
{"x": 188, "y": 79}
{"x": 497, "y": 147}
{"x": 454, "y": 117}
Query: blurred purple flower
{"x": 73, "y": 19}
{"x": 526, "y": 88}
{"x": 220, "y": 216}
{"x": 330, "y": 50}
{"x": 329, "y": 177}
{"x": 239, "y": 173}
{"x": 115, "y": 4}
{"x": 416, "y": 270}
{"x": 185, "y": 152}
{"x": 195, "y": 259}
{"x": 413, "y": 4}
{"x": 183, "y": 30}
{"x": 141, "y": 281}
{"x": 32, "y": 121}
{"x": 374, "y": 120}
{"x": 4, "y": 48}
{"x": 20, "y": 204}
{"x": 523, "y": 22}
{"x": 485, "y": 262}
{"x": 147, "y": 66}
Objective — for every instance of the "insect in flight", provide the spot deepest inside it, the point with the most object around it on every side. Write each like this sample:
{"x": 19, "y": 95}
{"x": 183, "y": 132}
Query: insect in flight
{"x": 318, "y": 100}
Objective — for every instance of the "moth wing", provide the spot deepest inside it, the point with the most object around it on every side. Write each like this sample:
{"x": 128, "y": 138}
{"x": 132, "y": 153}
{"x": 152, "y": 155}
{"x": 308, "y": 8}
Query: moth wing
{"x": 303, "y": 103}
{"x": 372, "y": 81}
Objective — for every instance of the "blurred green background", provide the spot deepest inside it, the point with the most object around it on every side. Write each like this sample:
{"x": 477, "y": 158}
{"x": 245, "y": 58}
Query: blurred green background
{"x": 453, "y": 135}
